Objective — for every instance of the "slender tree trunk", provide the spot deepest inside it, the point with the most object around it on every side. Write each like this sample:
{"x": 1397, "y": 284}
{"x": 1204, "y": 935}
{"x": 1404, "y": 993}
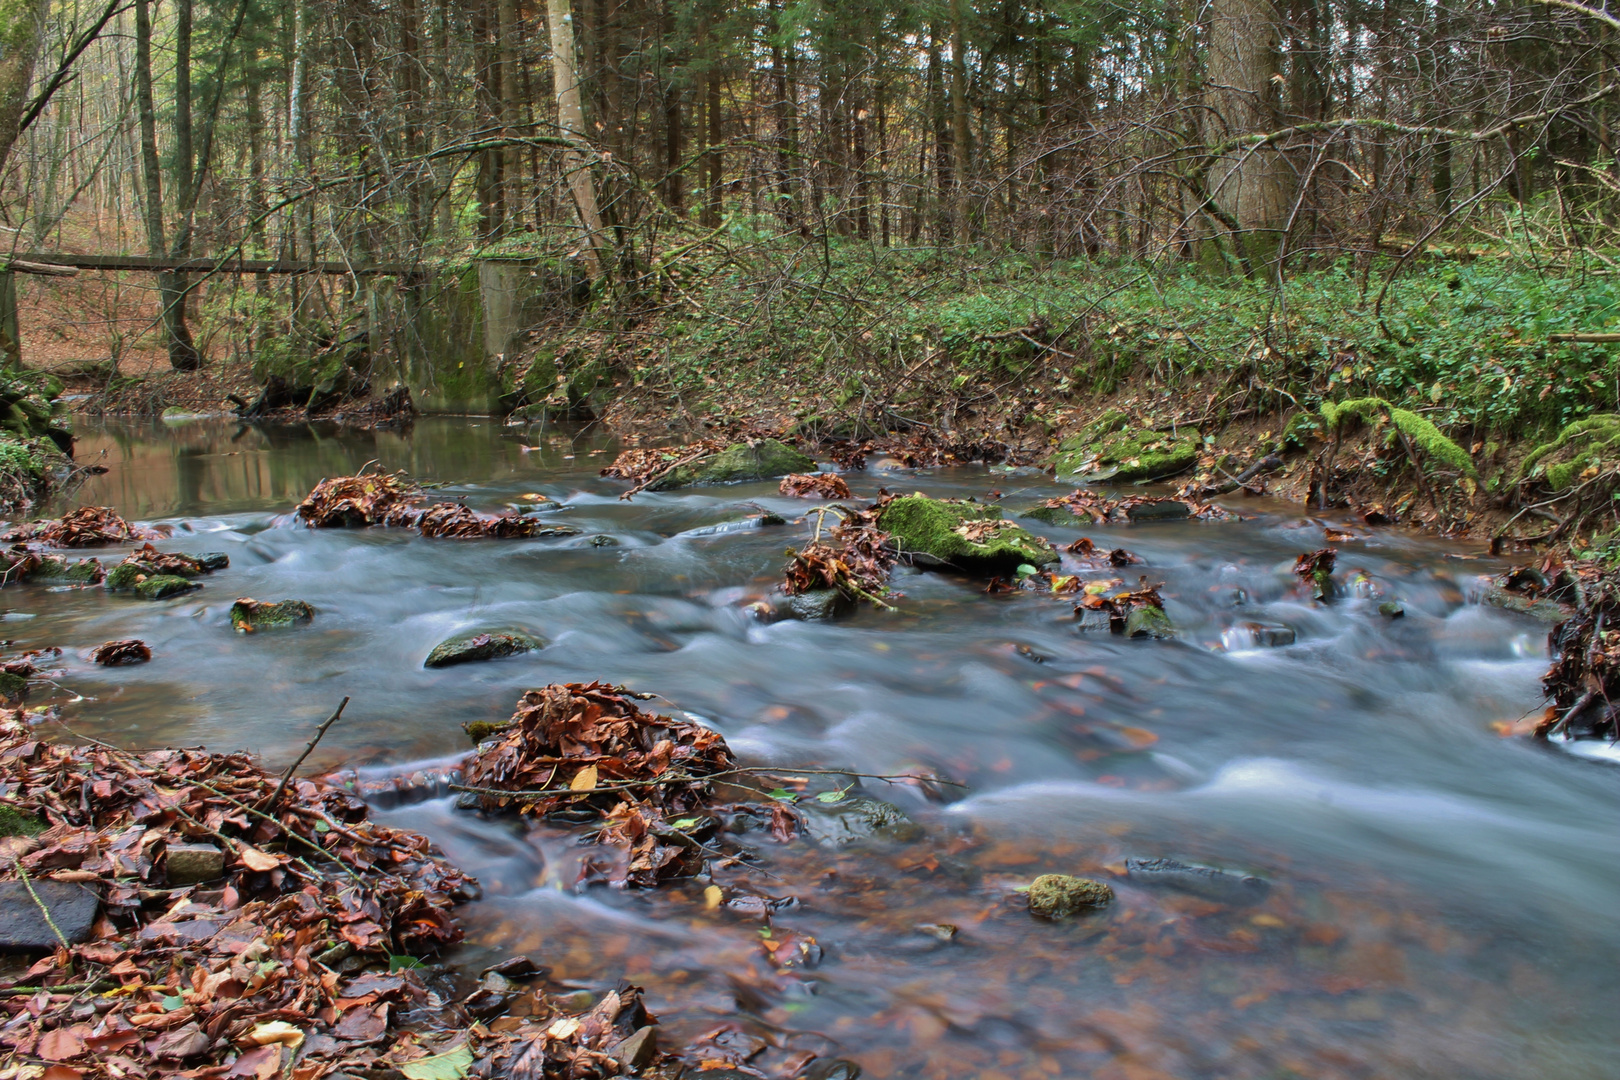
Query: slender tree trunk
{"x": 571, "y": 119}
{"x": 961, "y": 144}
{"x": 22, "y": 33}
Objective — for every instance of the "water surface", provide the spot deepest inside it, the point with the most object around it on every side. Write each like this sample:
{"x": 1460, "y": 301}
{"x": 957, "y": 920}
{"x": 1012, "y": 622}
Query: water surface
{"x": 1443, "y": 899}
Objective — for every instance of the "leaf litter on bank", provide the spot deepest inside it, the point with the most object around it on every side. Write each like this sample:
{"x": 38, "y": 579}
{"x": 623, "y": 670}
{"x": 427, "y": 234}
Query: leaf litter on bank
{"x": 88, "y": 526}
{"x": 819, "y": 485}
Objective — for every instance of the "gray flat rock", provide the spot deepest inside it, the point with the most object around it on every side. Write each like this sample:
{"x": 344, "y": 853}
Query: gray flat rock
{"x": 23, "y": 927}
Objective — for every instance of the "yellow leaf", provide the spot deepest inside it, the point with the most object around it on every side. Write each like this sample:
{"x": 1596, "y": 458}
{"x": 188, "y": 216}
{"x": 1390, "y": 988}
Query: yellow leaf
{"x": 276, "y": 1031}
{"x": 564, "y": 1029}
{"x": 584, "y": 780}
{"x": 712, "y": 897}
{"x": 254, "y": 859}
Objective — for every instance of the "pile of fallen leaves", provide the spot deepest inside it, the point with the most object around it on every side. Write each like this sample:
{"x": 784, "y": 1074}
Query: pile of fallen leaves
{"x": 1315, "y": 568}
{"x": 855, "y": 558}
{"x": 1584, "y": 677}
{"x": 254, "y": 972}
{"x": 814, "y": 486}
{"x": 1101, "y": 510}
{"x": 642, "y": 466}
{"x": 586, "y": 753}
{"x": 88, "y": 526}
{"x": 117, "y": 653}
{"x": 389, "y": 499}
{"x": 1118, "y": 607}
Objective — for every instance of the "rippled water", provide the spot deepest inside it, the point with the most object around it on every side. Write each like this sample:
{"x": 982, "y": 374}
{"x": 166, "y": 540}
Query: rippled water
{"x": 1443, "y": 899}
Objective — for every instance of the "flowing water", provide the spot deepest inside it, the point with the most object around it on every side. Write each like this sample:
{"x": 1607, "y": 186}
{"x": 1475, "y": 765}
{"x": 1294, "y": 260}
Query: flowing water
{"x": 1443, "y": 900}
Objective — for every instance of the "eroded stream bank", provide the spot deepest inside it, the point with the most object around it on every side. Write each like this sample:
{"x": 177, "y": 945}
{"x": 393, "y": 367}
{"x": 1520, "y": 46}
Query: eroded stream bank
{"x": 1440, "y": 897}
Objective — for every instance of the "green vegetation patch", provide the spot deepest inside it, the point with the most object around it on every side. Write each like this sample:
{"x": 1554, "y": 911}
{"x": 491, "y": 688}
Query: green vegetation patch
{"x": 738, "y": 462}
{"x": 970, "y": 537}
{"x": 1111, "y": 447}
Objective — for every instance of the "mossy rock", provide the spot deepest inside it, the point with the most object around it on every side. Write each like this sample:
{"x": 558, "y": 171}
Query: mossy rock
{"x": 14, "y": 822}
{"x": 13, "y": 687}
{"x": 485, "y": 645}
{"x": 926, "y": 530}
{"x": 737, "y": 463}
{"x": 163, "y": 586}
{"x": 1149, "y": 622}
{"x": 124, "y": 577}
{"x": 1112, "y": 448}
{"x": 73, "y": 571}
{"x": 250, "y": 615}
{"x": 1057, "y": 896}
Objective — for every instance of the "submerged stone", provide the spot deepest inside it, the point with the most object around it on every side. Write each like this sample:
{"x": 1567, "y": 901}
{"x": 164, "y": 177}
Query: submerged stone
{"x": 13, "y": 687}
{"x": 1149, "y": 621}
{"x": 250, "y": 615}
{"x": 1392, "y": 609}
{"x": 163, "y": 586}
{"x": 485, "y": 645}
{"x": 1055, "y": 515}
{"x": 970, "y": 537}
{"x": 1222, "y": 886}
{"x": 1508, "y": 600}
{"x": 855, "y": 819}
{"x": 738, "y": 462}
{"x": 817, "y": 605}
{"x": 1111, "y": 447}
{"x": 1057, "y": 896}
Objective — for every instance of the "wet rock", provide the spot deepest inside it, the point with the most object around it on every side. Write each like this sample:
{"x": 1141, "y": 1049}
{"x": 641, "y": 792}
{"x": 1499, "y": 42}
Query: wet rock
{"x": 484, "y": 1004}
{"x": 250, "y": 615}
{"x": 971, "y": 537}
{"x": 1055, "y": 515}
{"x": 1222, "y": 886}
{"x": 1544, "y": 609}
{"x": 516, "y": 967}
{"x": 479, "y": 730}
{"x": 117, "y": 653}
{"x": 485, "y": 645}
{"x": 1392, "y": 609}
{"x": 603, "y": 540}
{"x": 816, "y": 605}
{"x": 637, "y": 1051}
{"x": 1162, "y": 510}
{"x": 13, "y": 687}
{"x": 1057, "y": 896}
{"x": 938, "y": 931}
{"x": 832, "y": 1069}
{"x": 213, "y": 560}
{"x": 163, "y": 586}
{"x": 23, "y": 928}
{"x": 762, "y": 520}
{"x": 1093, "y": 620}
{"x": 1111, "y": 447}
{"x": 739, "y": 462}
{"x": 1261, "y": 635}
{"x": 857, "y": 819}
{"x": 1149, "y": 622}
{"x": 191, "y": 863}
{"x": 494, "y": 980}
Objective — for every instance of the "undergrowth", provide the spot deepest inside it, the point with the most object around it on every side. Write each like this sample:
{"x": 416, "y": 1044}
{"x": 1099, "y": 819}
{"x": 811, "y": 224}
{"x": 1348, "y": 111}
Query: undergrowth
{"x": 1464, "y": 344}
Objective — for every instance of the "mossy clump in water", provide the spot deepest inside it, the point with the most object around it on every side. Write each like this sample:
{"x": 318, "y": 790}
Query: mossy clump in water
{"x": 481, "y": 730}
{"x": 486, "y": 645}
{"x": 738, "y": 462}
{"x": 965, "y": 536}
{"x": 163, "y": 586}
{"x": 13, "y": 687}
{"x": 1111, "y": 447}
{"x": 250, "y": 615}
{"x": 14, "y": 822}
{"x": 74, "y": 571}
{"x": 1057, "y": 896}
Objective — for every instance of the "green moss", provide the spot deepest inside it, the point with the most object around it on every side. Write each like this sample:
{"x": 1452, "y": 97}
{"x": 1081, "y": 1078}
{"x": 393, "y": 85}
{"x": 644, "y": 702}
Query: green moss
{"x": 1561, "y": 475}
{"x": 1601, "y": 430}
{"x": 1423, "y": 435}
{"x": 163, "y": 586}
{"x": 13, "y": 687}
{"x": 1057, "y": 896}
{"x": 250, "y": 615}
{"x": 74, "y": 571}
{"x": 14, "y": 822}
{"x": 124, "y": 577}
{"x": 926, "y": 529}
{"x": 487, "y": 645}
{"x": 739, "y": 462}
{"x": 1054, "y": 515}
{"x": 1149, "y": 621}
{"x": 1111, "y": 448}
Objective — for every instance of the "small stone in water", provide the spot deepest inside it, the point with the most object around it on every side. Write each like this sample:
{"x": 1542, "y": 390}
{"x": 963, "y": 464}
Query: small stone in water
{"x": 943, "y": 931}
{"x": 516, "y": 967}
{"x": 638, "y": 1050}
{"x": 1056, "y": 896}
{"x": 250, "y": 615}
{"x": 191, "y": 863}
{"x": 1392, "y": 609}
{"x": 163, "y": 586}
{"x": 495, "y": 981}
{"x": 466, "y": 648}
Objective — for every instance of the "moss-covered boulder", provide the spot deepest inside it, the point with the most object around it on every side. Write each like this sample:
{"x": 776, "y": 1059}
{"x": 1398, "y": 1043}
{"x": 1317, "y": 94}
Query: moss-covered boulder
{"x": 484, "y": 645}
{"x": 163, "y": 586}
{"x": 1055, "y": 515}
{"x": 1113, "y": 448}
{"x": 764, "y": 460}
{"x": 971, "y": 537}
{"x": 250, "y": 615}
{"x": 13, "y": 687}
{"x": 1148, "y": 621}
{"x": 1057, "y": 896}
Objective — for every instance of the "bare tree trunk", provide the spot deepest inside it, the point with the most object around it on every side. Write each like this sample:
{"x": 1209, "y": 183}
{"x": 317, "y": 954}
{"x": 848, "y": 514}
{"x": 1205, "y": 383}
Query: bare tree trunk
{"x": 1245, "y": 64}
{"x": 571, "y": 119}
{"x": 22, "y": 32}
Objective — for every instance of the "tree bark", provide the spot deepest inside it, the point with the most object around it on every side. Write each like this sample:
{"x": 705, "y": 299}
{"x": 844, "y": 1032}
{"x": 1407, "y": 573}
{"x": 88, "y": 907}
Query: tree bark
{"x": 571, "y": 119}
{"x": 22, "y": 32}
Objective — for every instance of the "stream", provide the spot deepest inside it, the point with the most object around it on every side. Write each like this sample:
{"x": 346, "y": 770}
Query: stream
{"x": 1442, "y": 900}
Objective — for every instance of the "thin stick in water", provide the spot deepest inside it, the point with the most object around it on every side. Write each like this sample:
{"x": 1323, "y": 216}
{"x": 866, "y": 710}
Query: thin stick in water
{"x": 287, "y": 776}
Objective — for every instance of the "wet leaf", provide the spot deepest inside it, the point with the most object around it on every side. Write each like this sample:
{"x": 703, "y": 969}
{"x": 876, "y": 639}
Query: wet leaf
{"x": 450, "y": 1065}
{"x": 584, "y": 780}
{"x": 831, "y": 796}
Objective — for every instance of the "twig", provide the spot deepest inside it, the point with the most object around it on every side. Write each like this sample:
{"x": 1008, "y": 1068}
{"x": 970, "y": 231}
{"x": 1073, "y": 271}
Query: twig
{"x": 286, "y": 777}
{"x": 43, "y": 910}
{"x": 660, "y": 474}
{"x": 685, "y": 778}
{"x": 20, "y": 991}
